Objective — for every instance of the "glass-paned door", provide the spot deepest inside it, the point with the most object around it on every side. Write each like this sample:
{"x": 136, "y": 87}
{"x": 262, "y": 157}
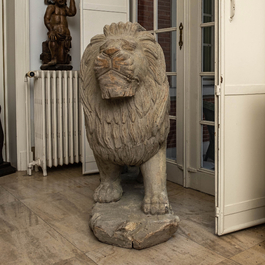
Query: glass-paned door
{"x": 185, "y": 32}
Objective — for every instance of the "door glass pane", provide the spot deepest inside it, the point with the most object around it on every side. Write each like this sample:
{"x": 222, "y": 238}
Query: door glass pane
{"x": 208, "y": 49}
{"x": 167, "y": 41}
{"x": 146, "y": 13}
{"x": 207, "y": 147}
{"x": 207, "y": 86}
{"x": 172, "y": 80}
{"x": 207, "y": 11}
{"x": 166, "y": 13}
{"x": 208, "y": 98}
{"x": 172, "y": 141}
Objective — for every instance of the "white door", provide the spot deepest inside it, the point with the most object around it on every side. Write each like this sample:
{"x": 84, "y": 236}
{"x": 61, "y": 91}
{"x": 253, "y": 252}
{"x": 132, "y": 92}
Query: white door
{"x": 95, "y": 14}
{"x": 240, "y": 92}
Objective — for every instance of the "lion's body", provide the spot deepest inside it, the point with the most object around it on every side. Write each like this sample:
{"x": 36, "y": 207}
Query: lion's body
{"x": 128, "y": 130}
{"x": 125, "y": 96}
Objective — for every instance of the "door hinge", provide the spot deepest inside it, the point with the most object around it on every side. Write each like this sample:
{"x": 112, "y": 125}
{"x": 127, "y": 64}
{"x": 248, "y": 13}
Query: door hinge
{"x": 217, "y": 90}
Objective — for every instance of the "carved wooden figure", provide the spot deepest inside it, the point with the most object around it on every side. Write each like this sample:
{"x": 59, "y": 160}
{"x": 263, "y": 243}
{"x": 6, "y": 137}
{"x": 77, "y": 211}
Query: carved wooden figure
{"x": 55, "y": 55}
{"x": 125, "y": 94}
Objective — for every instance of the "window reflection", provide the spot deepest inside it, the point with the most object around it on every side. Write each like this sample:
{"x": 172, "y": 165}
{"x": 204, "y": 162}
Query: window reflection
{"x": 208, "y": 147}
{"x": 146, "y": 13}
{"x": 166, "y": 14}
{"x": 167, "y": 41}
{"x": 207, "y": 11}
{"x": 208, "y": 49}
{"x": 172, "y": 141}
{"x": 208, "y": 98}
{"x": 172, "y": 80}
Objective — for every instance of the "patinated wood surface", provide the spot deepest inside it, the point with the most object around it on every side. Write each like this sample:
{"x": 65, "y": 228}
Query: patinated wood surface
{"x": 125, "y": 94}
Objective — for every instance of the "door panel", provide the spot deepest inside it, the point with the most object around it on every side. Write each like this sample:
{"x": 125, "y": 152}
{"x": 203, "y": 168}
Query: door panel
{"x": 240, "y": 181}
{"x": 243, "y": 196}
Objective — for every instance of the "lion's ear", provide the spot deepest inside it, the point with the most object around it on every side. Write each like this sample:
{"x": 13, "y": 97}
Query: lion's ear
{"x": 139, "y": 27}
{"x": 97, "y": 38}
{"x": 122, "y": 28}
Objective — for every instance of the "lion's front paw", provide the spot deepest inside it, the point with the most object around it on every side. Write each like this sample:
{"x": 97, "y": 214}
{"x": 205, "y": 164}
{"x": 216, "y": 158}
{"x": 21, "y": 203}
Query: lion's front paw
{"x": 156, "y": 204}
{"x": 108, "y": 192}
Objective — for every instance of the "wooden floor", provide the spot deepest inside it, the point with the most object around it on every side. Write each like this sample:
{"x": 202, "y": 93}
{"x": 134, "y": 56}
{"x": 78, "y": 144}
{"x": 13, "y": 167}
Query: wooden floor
{"x": 44, "y": 220}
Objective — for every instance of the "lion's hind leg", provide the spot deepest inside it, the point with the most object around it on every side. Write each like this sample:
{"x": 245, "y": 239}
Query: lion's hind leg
{"x": 154, "y": 174}
{"x": 110, "y": 189}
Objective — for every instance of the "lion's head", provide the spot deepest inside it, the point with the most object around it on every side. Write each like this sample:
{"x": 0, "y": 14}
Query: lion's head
{"x": 125, "y": 93}
{"x": 125, "y": 56}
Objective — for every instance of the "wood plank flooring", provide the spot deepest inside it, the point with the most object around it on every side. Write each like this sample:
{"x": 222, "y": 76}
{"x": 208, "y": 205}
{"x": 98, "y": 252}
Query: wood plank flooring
{"x": 44, "y": 220}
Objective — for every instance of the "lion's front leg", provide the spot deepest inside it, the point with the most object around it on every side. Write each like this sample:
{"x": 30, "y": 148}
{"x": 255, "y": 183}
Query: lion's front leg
{"x": 154, "y": 173}
{"x": 110, "y": 189}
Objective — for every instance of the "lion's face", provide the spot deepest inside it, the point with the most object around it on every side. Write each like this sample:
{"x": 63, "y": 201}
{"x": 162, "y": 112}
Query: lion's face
{"x": 115, "y": 67}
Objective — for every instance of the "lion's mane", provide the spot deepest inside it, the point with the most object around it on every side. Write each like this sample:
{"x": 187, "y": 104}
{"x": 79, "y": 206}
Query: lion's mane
{"x": 129, "y": 130}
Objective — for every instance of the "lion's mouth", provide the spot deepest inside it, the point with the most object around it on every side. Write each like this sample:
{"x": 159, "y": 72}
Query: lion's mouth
{"x": 114, "y": 84}
{"x": 122, "y": 75}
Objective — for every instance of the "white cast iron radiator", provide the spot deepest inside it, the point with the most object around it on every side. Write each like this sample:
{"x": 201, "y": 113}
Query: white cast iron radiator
{"x": 56, "y": 119}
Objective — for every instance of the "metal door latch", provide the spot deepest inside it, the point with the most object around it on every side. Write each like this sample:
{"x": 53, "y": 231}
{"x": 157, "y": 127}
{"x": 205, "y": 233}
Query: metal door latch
{"x": 180, "y": 36}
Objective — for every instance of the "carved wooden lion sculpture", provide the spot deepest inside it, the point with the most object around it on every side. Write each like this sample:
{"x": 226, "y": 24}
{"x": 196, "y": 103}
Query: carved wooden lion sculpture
{"x": 125, "y": 96}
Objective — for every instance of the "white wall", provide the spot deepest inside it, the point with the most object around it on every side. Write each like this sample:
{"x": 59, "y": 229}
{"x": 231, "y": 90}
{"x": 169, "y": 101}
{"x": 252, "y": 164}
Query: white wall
{"x": 38, "y": 34}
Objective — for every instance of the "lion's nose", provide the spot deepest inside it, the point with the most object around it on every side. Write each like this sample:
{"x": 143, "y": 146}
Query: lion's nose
{"x": 110, "y": 51}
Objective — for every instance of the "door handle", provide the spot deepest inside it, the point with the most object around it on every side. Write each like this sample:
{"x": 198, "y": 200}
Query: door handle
{"x": 180, "y": 36}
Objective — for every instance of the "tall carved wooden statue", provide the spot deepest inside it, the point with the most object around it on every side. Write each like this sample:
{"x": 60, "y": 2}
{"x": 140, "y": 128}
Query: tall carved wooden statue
{"x": 125, "y": 95}
{"x": 55, "y": 51}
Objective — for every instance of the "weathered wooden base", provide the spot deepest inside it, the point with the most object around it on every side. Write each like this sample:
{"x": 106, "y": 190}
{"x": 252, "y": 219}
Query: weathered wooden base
{"x": 63, "y": 67}
{"x": 123, "y": 223}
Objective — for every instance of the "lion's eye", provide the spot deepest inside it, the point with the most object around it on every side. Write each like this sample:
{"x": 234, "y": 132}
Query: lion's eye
{"x": 128, "y": 45}
{"x": 101, "y": 49}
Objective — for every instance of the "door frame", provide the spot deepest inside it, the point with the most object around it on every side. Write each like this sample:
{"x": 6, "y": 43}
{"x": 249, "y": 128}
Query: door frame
{"x": 2, "y": 83}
